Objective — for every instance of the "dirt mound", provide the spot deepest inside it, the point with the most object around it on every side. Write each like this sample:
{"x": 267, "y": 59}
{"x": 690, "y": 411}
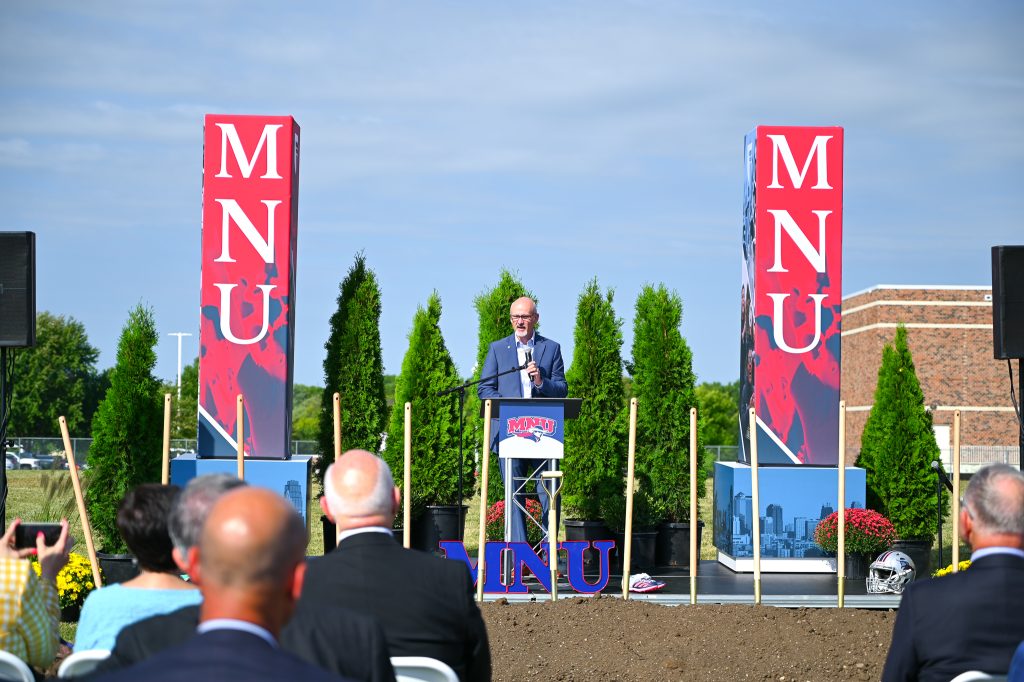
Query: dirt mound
{"x": 605, "y": 638}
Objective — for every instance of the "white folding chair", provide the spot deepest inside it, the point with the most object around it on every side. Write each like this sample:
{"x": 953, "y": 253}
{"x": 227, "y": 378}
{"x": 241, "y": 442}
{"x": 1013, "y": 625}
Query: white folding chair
{"x": 13, "y": 668}
{"x": 82, "y": 662}
{"x": 977, "y": 675}
{"x": 422, "y": 669}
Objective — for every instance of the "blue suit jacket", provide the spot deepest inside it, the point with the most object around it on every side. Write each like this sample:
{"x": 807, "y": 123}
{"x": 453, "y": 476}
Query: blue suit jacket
{"x": 502, "y": 356}
{"x": 222, "y": 655}
{"x": 970, "y": 620}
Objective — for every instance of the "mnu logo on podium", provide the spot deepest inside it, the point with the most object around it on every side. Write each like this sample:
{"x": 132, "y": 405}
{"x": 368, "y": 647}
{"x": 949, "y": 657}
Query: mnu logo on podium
{"x": 531, "y": 427}
{"x": 531, "y": 431}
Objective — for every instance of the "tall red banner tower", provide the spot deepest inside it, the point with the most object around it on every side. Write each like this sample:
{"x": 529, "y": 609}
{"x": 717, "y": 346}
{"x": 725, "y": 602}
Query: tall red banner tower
{"x": 792, "y": 293}
{"x": 247, "y": 297}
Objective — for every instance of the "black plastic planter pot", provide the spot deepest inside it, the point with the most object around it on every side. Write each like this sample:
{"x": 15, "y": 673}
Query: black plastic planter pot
{"x": 588, "y": 531}
{"x": 673, "y": 544}
{"x": 641, "y": 552}
{"x": 437, "y": 523}
{"x": 330, "y": 534}
{"x": 920, "y": 552}
{"x": 856, "y": 566}
{"x": 117, "y": 568}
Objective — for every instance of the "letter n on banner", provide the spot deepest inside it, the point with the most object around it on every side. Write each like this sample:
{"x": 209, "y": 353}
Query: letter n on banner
{"x": 247, "y": 297}
{"x": 791, "y": 293}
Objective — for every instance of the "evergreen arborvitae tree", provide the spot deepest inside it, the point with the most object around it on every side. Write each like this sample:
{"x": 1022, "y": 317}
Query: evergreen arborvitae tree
{"x": 595, "y": 443}
{"x": 492, "y": 309}
{"x": 898, "y": 446}
{"x": 127, "y": 429}
{"x": 426, "y": 369}
{"x": 664, "y": 385}
{"x": 354, "y": 367}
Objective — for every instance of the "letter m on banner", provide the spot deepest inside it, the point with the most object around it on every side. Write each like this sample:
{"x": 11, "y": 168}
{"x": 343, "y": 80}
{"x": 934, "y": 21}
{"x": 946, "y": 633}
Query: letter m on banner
{"x": 247, "y": 300}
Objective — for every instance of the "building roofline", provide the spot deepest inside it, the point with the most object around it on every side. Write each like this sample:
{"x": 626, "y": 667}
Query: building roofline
{"x": 925, "y": 287}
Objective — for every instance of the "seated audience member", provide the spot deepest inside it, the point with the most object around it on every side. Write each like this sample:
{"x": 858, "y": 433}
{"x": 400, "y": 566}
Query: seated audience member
{"x": 974, "y": 619}
{"x": 312, "y": 634}
{"x": 1016, "y": 673}
{"x": 142, "y": 520}
{"x": 249, "y": 564}
{"x": 29, "y": 607}
{"x": 424, "y": 604}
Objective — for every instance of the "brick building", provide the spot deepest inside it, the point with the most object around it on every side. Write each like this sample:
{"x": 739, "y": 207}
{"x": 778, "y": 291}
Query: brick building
{"x": 949, "y": 330}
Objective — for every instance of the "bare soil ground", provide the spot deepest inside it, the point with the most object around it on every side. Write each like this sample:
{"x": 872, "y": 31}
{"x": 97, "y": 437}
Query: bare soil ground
{"x": 605, "y": 638}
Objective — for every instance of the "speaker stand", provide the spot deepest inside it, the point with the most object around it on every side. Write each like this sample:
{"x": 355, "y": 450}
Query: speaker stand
{"x": 6, "y": 394}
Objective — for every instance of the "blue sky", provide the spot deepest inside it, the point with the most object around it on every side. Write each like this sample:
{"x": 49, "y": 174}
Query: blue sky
{"x": 446, "y": 140}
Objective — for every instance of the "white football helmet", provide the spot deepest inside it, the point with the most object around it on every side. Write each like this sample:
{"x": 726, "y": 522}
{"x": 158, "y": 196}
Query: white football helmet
{"x": 890, "y": 572}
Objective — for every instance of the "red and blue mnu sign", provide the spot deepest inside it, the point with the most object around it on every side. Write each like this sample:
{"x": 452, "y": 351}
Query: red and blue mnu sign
{"x": 523, "y": 556}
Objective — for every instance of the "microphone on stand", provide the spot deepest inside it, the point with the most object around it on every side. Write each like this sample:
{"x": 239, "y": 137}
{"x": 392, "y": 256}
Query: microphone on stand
{"x": 942, "y": 475}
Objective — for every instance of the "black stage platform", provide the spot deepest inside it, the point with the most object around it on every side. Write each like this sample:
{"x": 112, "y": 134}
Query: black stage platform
{"x": 717, "y": 584}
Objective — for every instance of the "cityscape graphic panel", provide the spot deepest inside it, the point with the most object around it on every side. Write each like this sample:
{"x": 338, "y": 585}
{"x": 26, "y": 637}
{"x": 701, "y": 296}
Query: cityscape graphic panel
{"x": 792, "y": 500}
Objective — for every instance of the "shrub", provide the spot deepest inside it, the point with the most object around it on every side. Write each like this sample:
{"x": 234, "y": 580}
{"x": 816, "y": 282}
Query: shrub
{"x": 426, "y": 369}
{"x": 127, "y": 429}
{"x": 647, "y": 512}
{"x": 867, "y": 532}
{"x": 354, "y": 368}
{"x": 664, "y": 384}
{"x": 898, "y": 446}
{"x": 595, "y": 443}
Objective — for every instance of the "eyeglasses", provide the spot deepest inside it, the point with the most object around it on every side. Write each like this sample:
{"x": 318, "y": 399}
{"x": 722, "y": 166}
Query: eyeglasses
{"x": 521, "y": 318}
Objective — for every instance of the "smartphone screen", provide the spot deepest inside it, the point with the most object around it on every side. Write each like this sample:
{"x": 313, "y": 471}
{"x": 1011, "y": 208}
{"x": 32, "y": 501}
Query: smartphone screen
{"x": 25, "y": 534}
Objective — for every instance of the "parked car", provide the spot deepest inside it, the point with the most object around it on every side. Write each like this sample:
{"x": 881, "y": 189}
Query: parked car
{"x": 30, "y": 461}
{"x": 12, "y": 461}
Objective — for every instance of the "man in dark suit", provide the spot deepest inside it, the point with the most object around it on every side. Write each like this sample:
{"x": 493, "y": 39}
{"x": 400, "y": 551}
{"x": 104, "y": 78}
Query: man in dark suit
{"x": 542, "y": 377}
{"x": 970, "y": 620}
{"x": 250, "y": 565}
{"x": 312, "y": 634}
{"x": 424, "y": 604}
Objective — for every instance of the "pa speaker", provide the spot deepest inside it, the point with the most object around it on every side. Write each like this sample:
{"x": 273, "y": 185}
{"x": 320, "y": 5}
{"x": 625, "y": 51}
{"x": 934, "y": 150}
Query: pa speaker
{"x": 1008, "y": 301}
{"x": 17, "y": 289}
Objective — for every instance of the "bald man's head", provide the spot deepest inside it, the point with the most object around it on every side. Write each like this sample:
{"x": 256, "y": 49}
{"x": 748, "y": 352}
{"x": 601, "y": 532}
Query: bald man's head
{"x": 359, "y": 491}
{"x": 252, "y": 538}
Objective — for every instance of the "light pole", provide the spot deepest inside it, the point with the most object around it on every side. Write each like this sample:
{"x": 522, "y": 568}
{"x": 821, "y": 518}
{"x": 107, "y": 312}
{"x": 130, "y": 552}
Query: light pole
{"x": 179, "y": 335}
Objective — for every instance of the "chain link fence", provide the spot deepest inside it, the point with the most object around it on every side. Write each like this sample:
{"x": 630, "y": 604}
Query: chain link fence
{"x": 48, "y": 453}
{"x": 979, "y": 455}
{"x": 723, "y": 453}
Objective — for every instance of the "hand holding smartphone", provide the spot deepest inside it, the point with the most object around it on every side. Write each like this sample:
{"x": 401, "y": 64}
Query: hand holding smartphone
{"x": 25, "y": 534}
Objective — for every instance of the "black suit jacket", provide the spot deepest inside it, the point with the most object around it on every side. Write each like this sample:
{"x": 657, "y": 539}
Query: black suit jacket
{"x": 971, "y": 620}
{"x": 424, "y": 604}
{"x": 222, "y": 655}
{"x": 338, "y": 640}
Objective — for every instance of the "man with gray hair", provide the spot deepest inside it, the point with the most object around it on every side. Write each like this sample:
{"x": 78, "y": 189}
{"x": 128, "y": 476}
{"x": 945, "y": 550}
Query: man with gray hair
{"x": 185, "y": 524}
{"x": 970, "y": 620}
{"x": 424, "y": 604}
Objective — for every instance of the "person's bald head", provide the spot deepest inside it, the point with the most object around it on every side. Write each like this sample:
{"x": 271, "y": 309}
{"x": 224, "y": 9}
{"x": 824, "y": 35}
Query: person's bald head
{"x": 359, "y": 491}
{"x": 252, "y": 539}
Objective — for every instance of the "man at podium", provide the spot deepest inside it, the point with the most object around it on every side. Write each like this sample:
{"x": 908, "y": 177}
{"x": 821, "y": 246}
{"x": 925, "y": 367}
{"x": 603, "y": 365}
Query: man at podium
{"x": 542, "y": 376}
